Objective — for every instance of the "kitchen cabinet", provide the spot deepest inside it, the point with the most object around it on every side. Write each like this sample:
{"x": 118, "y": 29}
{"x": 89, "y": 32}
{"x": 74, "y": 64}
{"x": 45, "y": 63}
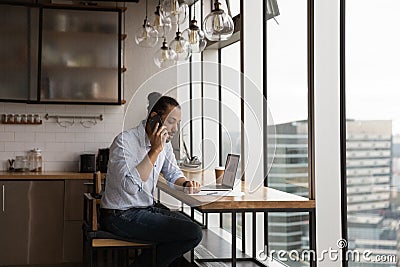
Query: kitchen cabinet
{"x": 73, "y": 218}
{"x": 61, "y": 54}
{"x": 80, "y": 55}
{"x": 18, "y": 51}
{"x": 31, "y": 222}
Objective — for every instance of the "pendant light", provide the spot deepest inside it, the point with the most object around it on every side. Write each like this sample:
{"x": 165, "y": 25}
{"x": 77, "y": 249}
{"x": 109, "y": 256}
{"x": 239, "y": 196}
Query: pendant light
{"x": 195, "y": 35}
{"x": 178, "y": 13}
{"x": 181, "y": 47}
{"x": 160, "y": 22}
{"x": 170, "y": 7}
{"x": 146, "y": 35}
{"x": 218, "y": 25}
{"x": 165, "y": 57}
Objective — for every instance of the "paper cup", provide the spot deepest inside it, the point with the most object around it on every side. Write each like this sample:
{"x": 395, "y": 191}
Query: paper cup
{"x": 219, "y": 173}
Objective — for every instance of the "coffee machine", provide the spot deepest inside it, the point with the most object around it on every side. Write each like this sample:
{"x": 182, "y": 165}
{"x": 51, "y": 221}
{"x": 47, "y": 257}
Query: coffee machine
{"x": 102, "y": 159}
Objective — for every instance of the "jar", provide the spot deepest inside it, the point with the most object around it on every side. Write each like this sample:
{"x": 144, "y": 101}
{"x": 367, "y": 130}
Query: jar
{"x": 17, "y": 118}
{"x": 10, "y": 118}
{"x": 35, "y": 160}
{"x": 30, "y": 118}
{"x": 24, "y": 118}
{"x": 37, "y": 119}
{"x": 21, "y": 164}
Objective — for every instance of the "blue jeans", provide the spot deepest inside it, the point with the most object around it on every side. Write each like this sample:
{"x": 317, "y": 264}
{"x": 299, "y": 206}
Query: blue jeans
{"x": 173, "y": 232}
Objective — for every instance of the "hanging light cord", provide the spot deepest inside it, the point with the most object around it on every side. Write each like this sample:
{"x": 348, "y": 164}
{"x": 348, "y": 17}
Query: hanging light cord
{"x": 146, "y": 9}
{"x": 194, "y": 10}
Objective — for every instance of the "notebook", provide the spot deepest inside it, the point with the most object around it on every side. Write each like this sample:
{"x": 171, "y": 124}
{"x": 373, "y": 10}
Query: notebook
{"x": 228, "y": 179}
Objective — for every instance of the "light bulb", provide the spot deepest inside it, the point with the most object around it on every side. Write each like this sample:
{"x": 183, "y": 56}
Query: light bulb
{"x": 218, "y": 26}
{"x": 181, "y": 47}
{"x": 164, "y": 57}
{"x": 160, "y": 22}
{"x": 218, "y": 22}
{"x": 195, "y": 37}
{"x": 170, "y": 7}
{"x": 146, "y": 35}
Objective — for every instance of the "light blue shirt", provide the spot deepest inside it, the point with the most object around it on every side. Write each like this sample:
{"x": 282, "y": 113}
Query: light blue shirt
{"x": 124, "y": 187}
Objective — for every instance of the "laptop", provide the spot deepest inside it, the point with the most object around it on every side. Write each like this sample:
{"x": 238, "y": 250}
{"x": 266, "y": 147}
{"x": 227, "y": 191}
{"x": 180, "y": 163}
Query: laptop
{"x": 228, "y": 179}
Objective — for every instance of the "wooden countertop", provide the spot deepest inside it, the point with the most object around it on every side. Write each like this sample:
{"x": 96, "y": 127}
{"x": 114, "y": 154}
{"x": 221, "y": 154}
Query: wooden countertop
{"x": 264, "y": 198}
{"x": 44, "y": 175}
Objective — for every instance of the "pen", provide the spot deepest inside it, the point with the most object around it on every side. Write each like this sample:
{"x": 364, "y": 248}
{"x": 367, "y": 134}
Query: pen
{"x": 212, "y": 193}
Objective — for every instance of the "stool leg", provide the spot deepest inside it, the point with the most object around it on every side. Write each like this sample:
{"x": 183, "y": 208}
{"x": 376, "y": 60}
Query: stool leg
{"x": 154, "y": 254}
{"x": 90, "y": 256}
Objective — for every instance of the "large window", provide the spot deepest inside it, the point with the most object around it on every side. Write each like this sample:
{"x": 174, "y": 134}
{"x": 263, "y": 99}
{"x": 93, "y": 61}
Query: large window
{"x": 372, "y": 129}
{"x": 287, "y": 97}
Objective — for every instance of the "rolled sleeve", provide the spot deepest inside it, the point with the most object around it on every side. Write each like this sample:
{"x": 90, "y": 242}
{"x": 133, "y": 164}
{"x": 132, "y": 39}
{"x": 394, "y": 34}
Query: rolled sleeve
{"x": 170, "y": 168}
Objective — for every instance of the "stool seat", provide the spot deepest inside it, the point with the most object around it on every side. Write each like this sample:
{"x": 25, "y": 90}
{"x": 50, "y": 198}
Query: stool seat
{"x": 105, "y": 242}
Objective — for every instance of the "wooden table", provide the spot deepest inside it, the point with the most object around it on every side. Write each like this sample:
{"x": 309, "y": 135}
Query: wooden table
{"x": 262, "y": 200}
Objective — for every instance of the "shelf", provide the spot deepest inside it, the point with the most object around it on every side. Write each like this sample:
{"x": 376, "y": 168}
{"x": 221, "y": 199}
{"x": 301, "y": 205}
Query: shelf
{"x": 83, "y": 68}
{"x": 70, "y": 100}
{"x": 86, "y": 7}
{"x": 22, "y": 123}
{"x": 79, "y": 34}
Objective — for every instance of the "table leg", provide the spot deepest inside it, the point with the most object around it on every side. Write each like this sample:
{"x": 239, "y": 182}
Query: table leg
{"x": 254, "y": 238}
{"x": 233, "y": 239}
{"x": 244, "y": 232}
{"x": 266, "y": 242}
{"x": 312, "y": 237}
{"x": 192, "y": 251}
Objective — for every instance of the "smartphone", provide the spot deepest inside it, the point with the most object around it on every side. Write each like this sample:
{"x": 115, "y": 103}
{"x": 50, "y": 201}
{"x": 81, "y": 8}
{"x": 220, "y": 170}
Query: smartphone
{"x": 154, "y": 120}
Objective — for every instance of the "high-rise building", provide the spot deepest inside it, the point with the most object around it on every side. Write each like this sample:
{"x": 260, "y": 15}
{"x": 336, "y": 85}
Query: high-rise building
{"x": 371, "y": 212}
{"x": 371, "y": 225}
{"x": 289, "y": 173}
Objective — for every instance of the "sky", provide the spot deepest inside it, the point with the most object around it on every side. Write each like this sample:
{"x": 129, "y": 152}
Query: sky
{"x": 372, "y": 61}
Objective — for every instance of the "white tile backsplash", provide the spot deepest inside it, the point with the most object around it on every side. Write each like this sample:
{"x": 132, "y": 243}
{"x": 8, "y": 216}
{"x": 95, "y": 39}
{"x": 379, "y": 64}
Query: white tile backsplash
{"x": 45, "y": 137}
{"x": 7, "y": 136}
{"x": 61, "y": 146}
{"x": 14, "y": 147}
{"x": 35, "y": 109}
{"x": 55, "y": 147}
{"x": 24, "y": 137}
{"x": 14, "y": 108}
{"x": 92, "y": 110}
{"x": 65, "y": 137}
{"x": 57, "y": 109}
{"x": 114, "y": 109}
{"x": 74, "y": 147}
{"x": 14, "y": 128}
{"x": 84, "y": 137}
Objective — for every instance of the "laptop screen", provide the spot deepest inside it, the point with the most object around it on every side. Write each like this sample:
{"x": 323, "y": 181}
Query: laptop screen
{"x": 231, "y": 165}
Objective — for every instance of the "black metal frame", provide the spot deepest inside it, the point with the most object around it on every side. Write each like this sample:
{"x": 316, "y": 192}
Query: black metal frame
{"x": 253, "y": 258}
{"x": 342, "y": 95}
